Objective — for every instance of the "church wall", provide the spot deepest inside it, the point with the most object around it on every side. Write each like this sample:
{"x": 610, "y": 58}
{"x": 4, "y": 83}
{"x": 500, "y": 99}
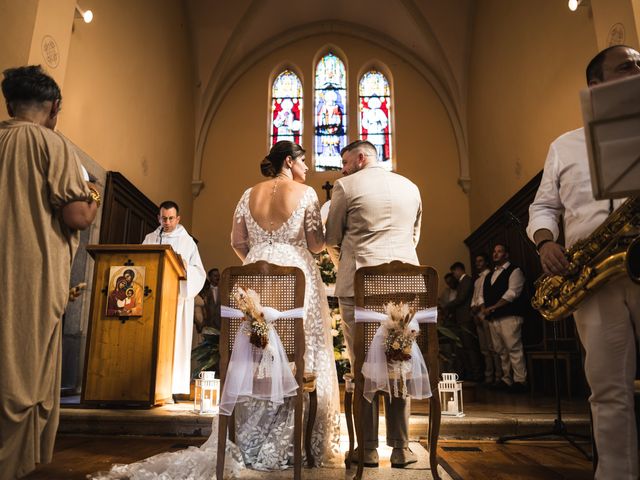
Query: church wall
{"x": 425, "y": 146}
{"x": 526, "y": 69}
{"x": 17, "y": 20}
{"x": 128, "y": 95}
{"x": 615, "y": 22}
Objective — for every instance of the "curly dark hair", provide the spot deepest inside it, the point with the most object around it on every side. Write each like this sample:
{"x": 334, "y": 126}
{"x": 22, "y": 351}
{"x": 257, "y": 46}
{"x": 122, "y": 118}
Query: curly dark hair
{"x": 27, "y": 85}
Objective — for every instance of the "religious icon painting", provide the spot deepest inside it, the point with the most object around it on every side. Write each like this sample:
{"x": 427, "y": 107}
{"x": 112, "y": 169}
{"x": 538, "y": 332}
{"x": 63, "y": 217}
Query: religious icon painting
{"x": 126, "y": 291}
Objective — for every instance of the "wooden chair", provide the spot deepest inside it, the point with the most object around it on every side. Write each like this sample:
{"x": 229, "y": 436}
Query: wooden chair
{"x": 374, "y": 288}
{"x": 281, "y": 288}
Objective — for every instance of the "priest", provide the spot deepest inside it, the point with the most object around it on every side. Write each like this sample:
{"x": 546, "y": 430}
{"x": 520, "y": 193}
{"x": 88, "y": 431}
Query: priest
{"x": 172, "y": 233}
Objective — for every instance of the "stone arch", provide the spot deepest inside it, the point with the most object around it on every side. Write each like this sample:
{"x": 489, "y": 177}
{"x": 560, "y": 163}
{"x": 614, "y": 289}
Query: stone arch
{"x": 215, "y": 96}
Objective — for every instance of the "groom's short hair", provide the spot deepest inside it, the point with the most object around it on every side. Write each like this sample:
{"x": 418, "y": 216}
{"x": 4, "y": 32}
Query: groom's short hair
{"x": 360, "y": 144}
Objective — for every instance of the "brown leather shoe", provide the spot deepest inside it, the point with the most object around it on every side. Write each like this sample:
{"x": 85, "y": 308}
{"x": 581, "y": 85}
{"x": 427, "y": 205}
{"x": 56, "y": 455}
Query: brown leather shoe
{"x": 370, "y": 457}
{"x": 401, "y": 457}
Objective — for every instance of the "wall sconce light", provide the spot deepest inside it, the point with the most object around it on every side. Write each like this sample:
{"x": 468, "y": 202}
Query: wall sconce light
{"x": 87, "y": 15}
{"x": 574, "y": 4}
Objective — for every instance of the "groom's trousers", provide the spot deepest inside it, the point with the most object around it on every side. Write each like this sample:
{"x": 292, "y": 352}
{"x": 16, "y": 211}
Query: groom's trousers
{"x": 397, "y": 410}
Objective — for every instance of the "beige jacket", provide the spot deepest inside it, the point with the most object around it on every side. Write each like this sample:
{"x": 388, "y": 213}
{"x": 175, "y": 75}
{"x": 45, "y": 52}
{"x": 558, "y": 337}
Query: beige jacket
{"x": 374, "y": 218}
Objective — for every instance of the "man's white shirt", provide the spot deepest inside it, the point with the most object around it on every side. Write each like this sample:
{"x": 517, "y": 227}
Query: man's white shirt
{"x": 565, "y": 189}
{"x": 476, "y": 301}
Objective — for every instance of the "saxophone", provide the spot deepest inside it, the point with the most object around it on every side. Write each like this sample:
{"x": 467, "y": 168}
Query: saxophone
{"x": 611, "y": 251}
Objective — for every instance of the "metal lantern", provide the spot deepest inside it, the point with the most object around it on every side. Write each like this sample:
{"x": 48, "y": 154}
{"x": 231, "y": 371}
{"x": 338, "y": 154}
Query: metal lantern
{"x": 207, "y": 393}
{"x": 451, "y": 395}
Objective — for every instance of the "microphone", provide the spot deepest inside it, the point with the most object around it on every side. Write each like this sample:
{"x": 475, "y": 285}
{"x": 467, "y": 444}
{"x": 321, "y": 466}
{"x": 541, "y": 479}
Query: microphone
{"x": 160, "y": 235}
{"x": 520, "y": 227}
{"x": 513, "y": 219}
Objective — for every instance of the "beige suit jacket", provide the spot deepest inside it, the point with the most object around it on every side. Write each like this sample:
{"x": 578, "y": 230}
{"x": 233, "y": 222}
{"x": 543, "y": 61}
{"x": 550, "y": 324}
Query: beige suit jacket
{"x": 374, "y": 218}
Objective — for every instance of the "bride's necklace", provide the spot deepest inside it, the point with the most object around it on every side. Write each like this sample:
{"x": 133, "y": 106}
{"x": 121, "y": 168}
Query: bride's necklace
{"x": 275, "y": 189}
{"x": 275, "y": 184}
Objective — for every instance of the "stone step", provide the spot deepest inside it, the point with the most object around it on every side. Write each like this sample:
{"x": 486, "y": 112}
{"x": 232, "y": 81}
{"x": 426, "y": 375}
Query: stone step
{"x": 180, "y": 420}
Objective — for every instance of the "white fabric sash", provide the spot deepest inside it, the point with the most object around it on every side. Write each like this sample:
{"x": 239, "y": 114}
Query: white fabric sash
{"x": 255, "y": 372}
{"x": 428, "y": 315}
{"x": 409, "y": 378}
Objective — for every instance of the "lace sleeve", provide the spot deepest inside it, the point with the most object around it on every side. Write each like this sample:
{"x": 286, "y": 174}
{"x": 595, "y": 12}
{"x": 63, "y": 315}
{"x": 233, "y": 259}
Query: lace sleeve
{"x": 313, "y": 223}
{"x": 239, "y": 232}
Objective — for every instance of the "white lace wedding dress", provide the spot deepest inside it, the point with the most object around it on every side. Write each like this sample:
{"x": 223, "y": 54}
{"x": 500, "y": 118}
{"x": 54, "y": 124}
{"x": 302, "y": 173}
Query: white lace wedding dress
{"x": 264, "y": 432}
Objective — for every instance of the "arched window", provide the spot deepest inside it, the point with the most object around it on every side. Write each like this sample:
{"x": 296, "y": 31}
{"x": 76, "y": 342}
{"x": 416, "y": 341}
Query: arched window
{"x": 286, "y": 108}
{"x": 330, "y": 112}
{"x": 375, "y": 114}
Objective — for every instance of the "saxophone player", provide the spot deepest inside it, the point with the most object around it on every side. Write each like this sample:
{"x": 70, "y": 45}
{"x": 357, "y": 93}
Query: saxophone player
{"x": 608, "y": 322}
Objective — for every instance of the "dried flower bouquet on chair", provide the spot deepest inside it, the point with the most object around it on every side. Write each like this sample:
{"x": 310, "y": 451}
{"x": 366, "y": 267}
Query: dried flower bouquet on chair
{"x": 248, "y": 302}
{"x": 394, "y": 363}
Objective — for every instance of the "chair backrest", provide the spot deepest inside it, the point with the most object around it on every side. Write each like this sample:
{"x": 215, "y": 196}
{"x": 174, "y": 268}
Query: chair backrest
{"x": 397, "y": 282}
{"x": 279, "y": 287}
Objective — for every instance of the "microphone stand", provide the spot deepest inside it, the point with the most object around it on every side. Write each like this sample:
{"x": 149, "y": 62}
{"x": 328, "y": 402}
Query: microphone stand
{"x": 559, "y": 428}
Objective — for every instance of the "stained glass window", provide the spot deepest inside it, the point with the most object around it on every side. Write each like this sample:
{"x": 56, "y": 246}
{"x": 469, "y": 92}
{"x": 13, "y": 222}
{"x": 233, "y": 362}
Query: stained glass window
{"x": 375, "y": 116}
{"x": 330, "y": 112}
{"x": 286, "y": 108}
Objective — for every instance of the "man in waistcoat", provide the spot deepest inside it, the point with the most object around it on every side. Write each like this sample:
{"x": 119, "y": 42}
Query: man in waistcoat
{"x": 502, "y": 306}
{"x": 492, "y": 368}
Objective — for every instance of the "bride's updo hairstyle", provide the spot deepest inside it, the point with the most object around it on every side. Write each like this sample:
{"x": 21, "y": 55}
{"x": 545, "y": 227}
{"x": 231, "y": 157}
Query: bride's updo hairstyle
{"x": 271, "y": 165}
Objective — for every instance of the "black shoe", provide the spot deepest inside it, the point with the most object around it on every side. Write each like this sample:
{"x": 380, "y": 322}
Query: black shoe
{"x": 519, "y": 387}
{"x": 501, "y": 386}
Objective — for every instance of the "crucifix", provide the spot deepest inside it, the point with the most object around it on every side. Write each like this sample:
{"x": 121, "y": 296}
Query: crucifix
{"x": 327, "y": 188}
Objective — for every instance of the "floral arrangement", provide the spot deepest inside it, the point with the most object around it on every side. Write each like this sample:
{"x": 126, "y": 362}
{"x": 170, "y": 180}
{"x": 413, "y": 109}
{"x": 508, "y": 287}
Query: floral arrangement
{"x": 342, "y": 363}
{"x": 399, "y": 338}
{"x": 248, "y": 302}
{"x": 327, "y": 269}
{"x": 398, "y": 341}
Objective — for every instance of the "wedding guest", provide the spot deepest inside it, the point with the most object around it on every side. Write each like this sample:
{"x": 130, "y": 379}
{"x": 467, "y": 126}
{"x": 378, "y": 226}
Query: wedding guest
{"x": 171, "y": 232}
{"x": 460, "y": 308}
{"x": 46, "y": 201}
{"x": 492, "y": 366}
{"x": 448, "y": 293}
{"x": 212, "y": 298}
{"x": 451, "y": 361}
{"x": 502, "y": 305}
{"x": 374, "y": 218}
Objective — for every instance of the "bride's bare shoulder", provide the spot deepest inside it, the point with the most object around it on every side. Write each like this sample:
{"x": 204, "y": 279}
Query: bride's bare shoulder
{"x": 301, "y": 187}
{"x": 261, "y": 186}
{"x": 263, "y": 183}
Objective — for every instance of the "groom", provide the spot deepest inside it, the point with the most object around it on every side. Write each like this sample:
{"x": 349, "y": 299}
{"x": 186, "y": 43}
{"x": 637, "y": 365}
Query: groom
{"x": 374, "y": 218}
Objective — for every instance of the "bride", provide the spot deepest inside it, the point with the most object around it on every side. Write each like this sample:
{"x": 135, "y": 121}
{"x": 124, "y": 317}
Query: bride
{"x": 278, "y": 221}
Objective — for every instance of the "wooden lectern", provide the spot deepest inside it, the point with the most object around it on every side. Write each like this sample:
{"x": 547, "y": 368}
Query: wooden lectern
{"x": 129, "y": 360}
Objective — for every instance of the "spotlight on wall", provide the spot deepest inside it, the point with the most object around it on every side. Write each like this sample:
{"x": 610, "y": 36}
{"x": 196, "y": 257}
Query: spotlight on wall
{"x": 573, "y": 4}
{"x": 87, "y": 15}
